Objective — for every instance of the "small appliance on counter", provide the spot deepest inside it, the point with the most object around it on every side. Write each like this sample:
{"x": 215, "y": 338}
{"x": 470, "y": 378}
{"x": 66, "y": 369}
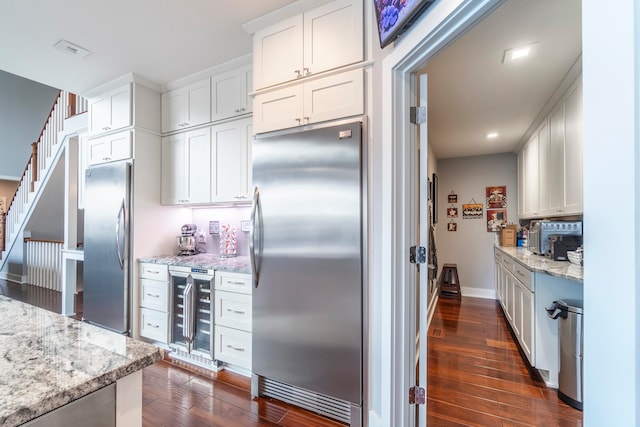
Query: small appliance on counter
{"x": 187, "y": 242}
{"x": 560, "y": 244}
{"x": 540, "y": 231}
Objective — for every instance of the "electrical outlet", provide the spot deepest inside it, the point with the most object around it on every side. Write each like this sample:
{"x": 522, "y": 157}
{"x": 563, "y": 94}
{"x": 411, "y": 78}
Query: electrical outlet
{"x": 245, "y": 225}
{"x": 202, "y": 237}
{"x": 214, "y": 227}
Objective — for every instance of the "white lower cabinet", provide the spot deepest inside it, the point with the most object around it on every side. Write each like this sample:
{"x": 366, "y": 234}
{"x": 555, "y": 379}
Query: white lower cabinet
{"x": 515, "y": 286}
{"x": 154, "y": 302}
{"x": 233, "y": 319}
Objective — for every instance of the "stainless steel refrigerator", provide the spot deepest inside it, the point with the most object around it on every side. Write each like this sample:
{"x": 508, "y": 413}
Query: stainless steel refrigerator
{"x": 106, "y": 296}
{"x": 306, "y": 247}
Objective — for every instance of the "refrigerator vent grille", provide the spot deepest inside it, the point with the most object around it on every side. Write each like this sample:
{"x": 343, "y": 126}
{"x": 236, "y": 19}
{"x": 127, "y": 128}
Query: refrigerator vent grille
{"x": 194, "y": 359}
{"x": 324, "y": 405}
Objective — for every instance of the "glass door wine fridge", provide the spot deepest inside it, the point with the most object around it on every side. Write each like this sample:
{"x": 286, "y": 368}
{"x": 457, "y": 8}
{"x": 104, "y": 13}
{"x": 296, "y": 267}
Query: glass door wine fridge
{"x": 192, "y": 316}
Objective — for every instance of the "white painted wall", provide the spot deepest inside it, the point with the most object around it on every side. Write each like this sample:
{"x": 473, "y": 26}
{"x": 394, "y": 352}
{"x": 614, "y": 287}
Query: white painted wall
{"x": 611, "y": 84}
{"x": 471, "y": 247}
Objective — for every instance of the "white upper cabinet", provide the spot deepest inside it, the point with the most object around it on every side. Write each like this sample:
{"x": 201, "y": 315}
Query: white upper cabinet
{"x": 322, "y": 39}
{"x": 109, "y": 148}
{"x": 186, "y": 167}
{"x": 554, "y": 187}
{"x": 187, "y": 106}
{"x": 231, "y": 161}
{"x": 230, "y": 93}
{"x": 110, "y": 111}
{"x": 336, "y": 96}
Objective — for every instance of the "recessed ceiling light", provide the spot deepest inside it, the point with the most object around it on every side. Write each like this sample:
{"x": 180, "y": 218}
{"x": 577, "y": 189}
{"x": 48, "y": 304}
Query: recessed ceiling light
{"x": 521, "y": 52}
{"x": 491, "y": 135}
{"x": 72, "y": 49}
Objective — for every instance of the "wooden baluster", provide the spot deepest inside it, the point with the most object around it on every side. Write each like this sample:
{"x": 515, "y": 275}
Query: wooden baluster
{"x": 34, "y": 168}
{"x": 71, "y": 105}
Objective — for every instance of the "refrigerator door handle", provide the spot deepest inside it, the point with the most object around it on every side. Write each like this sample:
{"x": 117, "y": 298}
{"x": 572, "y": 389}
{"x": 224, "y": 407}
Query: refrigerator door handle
{"x": 187, "y": 312}
{"x": 256, "y": 221}
{"x": 118, "y": 221}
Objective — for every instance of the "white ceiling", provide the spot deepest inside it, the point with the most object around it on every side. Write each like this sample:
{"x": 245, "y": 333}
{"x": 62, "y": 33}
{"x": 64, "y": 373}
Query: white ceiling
{"x": 160, "y": 40}
{"x": 472, "y": 92}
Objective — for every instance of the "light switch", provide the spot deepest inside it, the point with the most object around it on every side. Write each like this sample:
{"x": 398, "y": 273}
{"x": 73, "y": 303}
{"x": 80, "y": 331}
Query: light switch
{"x": 214, "y": 227}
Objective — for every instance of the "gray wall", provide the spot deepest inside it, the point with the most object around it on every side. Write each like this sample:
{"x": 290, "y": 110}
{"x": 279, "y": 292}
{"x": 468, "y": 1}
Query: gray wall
{"x": 24, "y": 106}
{"x": 471, "y": 246}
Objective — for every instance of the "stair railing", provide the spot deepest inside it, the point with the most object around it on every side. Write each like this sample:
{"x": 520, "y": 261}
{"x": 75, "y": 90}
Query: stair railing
{"x": 65, "y": 106}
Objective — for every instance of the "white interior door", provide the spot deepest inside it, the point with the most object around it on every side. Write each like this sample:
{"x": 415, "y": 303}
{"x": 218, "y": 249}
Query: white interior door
{"x": 422, "y": 302}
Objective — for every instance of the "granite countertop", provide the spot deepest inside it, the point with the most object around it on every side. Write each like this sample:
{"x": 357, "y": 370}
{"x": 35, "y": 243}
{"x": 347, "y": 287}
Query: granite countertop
{"x": 238, "y": 264}
{"x": 541, "y": 264}
{"x": 47, "y": 360}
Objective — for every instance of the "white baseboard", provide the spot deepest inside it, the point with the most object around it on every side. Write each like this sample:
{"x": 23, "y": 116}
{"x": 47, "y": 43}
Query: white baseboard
{"x": 15, "y": 278}
{"x": 478, "y": 293}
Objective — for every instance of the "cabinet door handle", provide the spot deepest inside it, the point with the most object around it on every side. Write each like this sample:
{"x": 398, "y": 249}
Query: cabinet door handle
{"x": 235, "y": 311}
{"x": 151, "y": 325}
{"x": 234, "y": 348}
{"x": 306, "y": 70}
{"x": 230, "y": 282}
{"x": 153, "y": 295}
{"x": 298, "y": 73}
{"x": 306, "y": 119}
{"x": 299, "y": 120}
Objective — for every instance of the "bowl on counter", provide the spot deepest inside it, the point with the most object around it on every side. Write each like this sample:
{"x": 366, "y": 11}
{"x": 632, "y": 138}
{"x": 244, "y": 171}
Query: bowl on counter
{"x": 575, "y": 257}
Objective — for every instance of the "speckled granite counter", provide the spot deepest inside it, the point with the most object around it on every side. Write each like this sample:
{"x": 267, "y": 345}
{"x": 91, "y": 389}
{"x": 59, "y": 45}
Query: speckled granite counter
{"x": 239, "y": 264}
{"x": 48, "y": 360}
{"x": 538, "y": 263}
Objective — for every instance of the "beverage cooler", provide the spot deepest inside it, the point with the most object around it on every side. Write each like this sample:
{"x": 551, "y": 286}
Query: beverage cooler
{"x": 192, "y": 316}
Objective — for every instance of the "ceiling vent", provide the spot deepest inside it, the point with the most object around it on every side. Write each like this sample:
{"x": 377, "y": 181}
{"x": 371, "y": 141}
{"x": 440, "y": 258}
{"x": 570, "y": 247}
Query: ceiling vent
{"x": 71, "y": 49}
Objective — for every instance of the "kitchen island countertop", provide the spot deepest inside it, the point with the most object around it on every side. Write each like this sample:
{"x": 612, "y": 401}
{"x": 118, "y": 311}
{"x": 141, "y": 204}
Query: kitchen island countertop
{"x": 538, "y": 263}
{"x": 238, "y": 264}
{"x": 49, "y": 360}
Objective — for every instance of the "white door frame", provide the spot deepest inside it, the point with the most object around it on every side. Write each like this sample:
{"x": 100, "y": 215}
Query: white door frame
{"x": 442, "y": 24}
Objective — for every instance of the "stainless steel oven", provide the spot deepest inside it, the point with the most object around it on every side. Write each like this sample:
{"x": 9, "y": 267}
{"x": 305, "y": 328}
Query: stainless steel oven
{"x": 192, "y": 315}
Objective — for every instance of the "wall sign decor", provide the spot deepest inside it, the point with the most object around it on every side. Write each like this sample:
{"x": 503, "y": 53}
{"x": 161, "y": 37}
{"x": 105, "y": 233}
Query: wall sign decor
{"x": 472, "y": 210}
{"x": 496, "y": 197}
{"x": 452, "y": 212}
{"x": 452, "y": 197}
{"x": 496, "y": 219}
{"x": 452, "y": 226}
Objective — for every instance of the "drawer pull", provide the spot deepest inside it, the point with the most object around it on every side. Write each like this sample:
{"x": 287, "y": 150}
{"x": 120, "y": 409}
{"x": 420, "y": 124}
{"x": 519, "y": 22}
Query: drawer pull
{"x": 153, "y": 295}
{"x": 230, "y": 282}
{"x": 152, "y": 325}
{"x": 235, "y": 311}
{"x": 234, "y": 348}
{"x": 153, "y": 271}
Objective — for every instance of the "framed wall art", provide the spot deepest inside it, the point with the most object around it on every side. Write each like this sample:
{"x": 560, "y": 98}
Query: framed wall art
{"x": 472, "y": 211}
{"x": 496, "y": 197}
{"x": 452, "y": 212}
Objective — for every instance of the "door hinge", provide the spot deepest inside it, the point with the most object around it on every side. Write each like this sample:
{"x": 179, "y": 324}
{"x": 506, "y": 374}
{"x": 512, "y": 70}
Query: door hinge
{"x": 418, "y": 115}
{"x": 417, "y": 254}
{"x": 417, "y": 395}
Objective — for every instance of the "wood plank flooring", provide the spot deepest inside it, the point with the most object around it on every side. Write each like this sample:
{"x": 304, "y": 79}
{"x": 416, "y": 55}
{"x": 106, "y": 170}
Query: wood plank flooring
{"x": 476, "y": 378}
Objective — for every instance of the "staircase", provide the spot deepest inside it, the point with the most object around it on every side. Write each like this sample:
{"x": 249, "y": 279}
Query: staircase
{"x": 45, "y": 152}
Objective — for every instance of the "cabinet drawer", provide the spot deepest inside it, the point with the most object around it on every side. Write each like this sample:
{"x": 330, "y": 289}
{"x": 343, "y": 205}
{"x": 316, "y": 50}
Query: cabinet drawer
{"x": 233, "y": 346}
{"x": 233, "y": 282}
{"x": 154, "y": 325}
{"x": 524, "y": 275}
{"x": 154, "y": 271}
{"x": 154, "y": 295}
{"x": 233, "y": 310}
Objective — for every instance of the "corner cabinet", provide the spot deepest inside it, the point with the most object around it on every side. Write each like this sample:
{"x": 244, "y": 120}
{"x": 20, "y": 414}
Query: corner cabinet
{"x": 319, "y": 40}
{"x": 336, "y": 96}
{"x": 233, "y": 322}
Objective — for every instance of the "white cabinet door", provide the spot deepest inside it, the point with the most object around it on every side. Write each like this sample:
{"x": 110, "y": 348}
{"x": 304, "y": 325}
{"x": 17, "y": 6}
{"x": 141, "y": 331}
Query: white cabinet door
{"x": 111, "y": 111}
{"x": 322, "y": 39}
{"x": 333, "y": 36}
{"x": 555, "y": 160}
{"x": 327, "y": 98}
{"x": 544, "y": 181}
{"x": 154, "y": 325}
{"x": 521, "y": 184}
{"x": 233, "y": 346}
{"x": 187, "y": 106}
{"x": 230, "y": 93}
{"x": 278, "y": 109}
{"x": 531, "y": 177}
{"x": 109, "y": 148}
{"x": 573, "y": 152}
{"x": 526, "y": 327}
{"x": 186, "y": 174}
{"x": 231, "y": 161}
{"x": 277, "y": 53}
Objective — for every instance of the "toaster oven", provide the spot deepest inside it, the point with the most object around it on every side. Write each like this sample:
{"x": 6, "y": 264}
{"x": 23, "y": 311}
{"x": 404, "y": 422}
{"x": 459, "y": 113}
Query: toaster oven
{"x": 541, "y": 231}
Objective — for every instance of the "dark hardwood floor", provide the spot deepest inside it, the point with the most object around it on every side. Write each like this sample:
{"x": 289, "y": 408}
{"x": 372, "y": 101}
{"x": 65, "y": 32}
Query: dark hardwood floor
{"x": 476, "y": 378}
